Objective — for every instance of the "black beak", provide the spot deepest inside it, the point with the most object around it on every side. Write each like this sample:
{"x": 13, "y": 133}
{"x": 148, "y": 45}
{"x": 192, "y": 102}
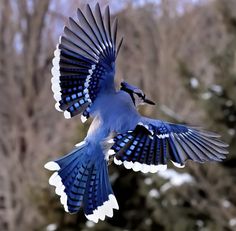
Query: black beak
{"x": 149, "y": 101}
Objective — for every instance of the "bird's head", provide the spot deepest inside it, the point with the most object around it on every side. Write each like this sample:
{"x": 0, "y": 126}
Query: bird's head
{"x": 137, "y": 95}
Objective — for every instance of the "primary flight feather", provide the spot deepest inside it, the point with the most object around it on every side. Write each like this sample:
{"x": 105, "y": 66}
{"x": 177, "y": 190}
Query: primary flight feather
{"x": 83, "y": 83}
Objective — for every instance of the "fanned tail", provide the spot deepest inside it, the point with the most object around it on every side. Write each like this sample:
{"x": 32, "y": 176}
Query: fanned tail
{"x": 81, "y": 180}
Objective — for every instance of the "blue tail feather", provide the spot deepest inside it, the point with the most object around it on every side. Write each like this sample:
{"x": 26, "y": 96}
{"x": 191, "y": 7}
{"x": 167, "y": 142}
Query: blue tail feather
{"x": 82, "y": 179}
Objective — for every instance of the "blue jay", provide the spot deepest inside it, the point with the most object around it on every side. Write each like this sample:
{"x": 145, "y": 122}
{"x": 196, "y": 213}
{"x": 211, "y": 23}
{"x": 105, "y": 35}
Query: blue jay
{"x": 83, "y": 83}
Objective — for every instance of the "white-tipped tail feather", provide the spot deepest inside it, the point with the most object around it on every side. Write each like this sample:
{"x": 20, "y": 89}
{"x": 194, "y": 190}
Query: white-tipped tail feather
{"x": 52, "y": 166}
{"x": 55, "y": 180}
{"x": 106, "y": 209}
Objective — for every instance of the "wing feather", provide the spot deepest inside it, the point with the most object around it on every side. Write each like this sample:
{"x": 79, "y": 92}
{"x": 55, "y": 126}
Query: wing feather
{"x": 148, "y": 147}
{"x": 84, "y": 62}
{"x": 108, "y": 25}
{"x": 114, "y": 31}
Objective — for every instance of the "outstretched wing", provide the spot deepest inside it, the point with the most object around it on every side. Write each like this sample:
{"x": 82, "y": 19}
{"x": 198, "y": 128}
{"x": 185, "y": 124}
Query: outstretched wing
{"x": 148, "y": 147}
{"x": 84, "y": 62}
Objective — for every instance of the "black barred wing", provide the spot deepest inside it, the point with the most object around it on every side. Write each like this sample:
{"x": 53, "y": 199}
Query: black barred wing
{"x": 148, "y": 147}
{"x": 84, "y": 62}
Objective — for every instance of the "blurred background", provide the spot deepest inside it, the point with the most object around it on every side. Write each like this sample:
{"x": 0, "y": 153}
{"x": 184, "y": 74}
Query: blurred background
{"x": 182, "y": 53}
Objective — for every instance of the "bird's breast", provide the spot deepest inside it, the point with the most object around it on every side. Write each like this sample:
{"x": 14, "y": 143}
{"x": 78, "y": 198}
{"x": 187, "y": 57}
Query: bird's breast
{"x": 112, "y": 113}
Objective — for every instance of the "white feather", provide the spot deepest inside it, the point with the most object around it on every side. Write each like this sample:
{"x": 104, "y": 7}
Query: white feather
{"x": 152, "y": 132}
{"x": 51, "y": 179}
{"x": 57, "y": 97}
{"x": 100, "y": 212}
{"x": 67, "y": 115}
{"x": 153, "y": 168}
{"x": 117, "y": 162}
{"x": 92, "y": 217}
{"x": 128, "y": 164}
{"x": 80, "y": 144}
{"x": 55, "y": 63}
{"x": 146, "y": 127}
{"x": 111, "y": 141}
{"x": 52, "y": 166}
{"x": 57, "y": 107}
{"x": 111, "y": 152}
{"x": 163, "y": 136}
{"x": 57, "y": 52}
{"x": 55, "y": 80}
{"x": 83, "y": 119}
{"x": 151, "y": 137}
{"x": 106, "y": 209}
{"x": 60, "y": 190}
{"x": 56, "y": 87}
{"x": 145, "y": 168}
{"x": 88, "y": 78}
{"x": 55, "y": 180}
{"x": 63, "y": 199}
{"x": 178, "y": 165}
{"x": 93, "y": 66}
{"x": 113, "y": 201}
{"x": 85, "y": 91}
{"x": 137, "y": 166}
{"x": 66, "y": 208}
{"x": 55, "y": 72}
{"x": 162, "y": 167}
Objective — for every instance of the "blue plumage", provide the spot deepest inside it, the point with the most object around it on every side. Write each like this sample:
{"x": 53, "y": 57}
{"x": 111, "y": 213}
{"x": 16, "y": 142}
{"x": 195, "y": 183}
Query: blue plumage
{"x": 83, "y": 83}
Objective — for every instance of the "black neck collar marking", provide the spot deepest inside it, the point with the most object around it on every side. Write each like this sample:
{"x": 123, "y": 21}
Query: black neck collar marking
{"x": 129, "y": 92}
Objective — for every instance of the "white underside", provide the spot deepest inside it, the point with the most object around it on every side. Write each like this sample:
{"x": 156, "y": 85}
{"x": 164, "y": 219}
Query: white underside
{"x": 106, "y": 209}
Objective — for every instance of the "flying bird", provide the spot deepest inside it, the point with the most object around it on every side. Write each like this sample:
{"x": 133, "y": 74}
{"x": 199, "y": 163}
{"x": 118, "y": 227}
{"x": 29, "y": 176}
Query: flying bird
{"x": 83, "y": 84}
